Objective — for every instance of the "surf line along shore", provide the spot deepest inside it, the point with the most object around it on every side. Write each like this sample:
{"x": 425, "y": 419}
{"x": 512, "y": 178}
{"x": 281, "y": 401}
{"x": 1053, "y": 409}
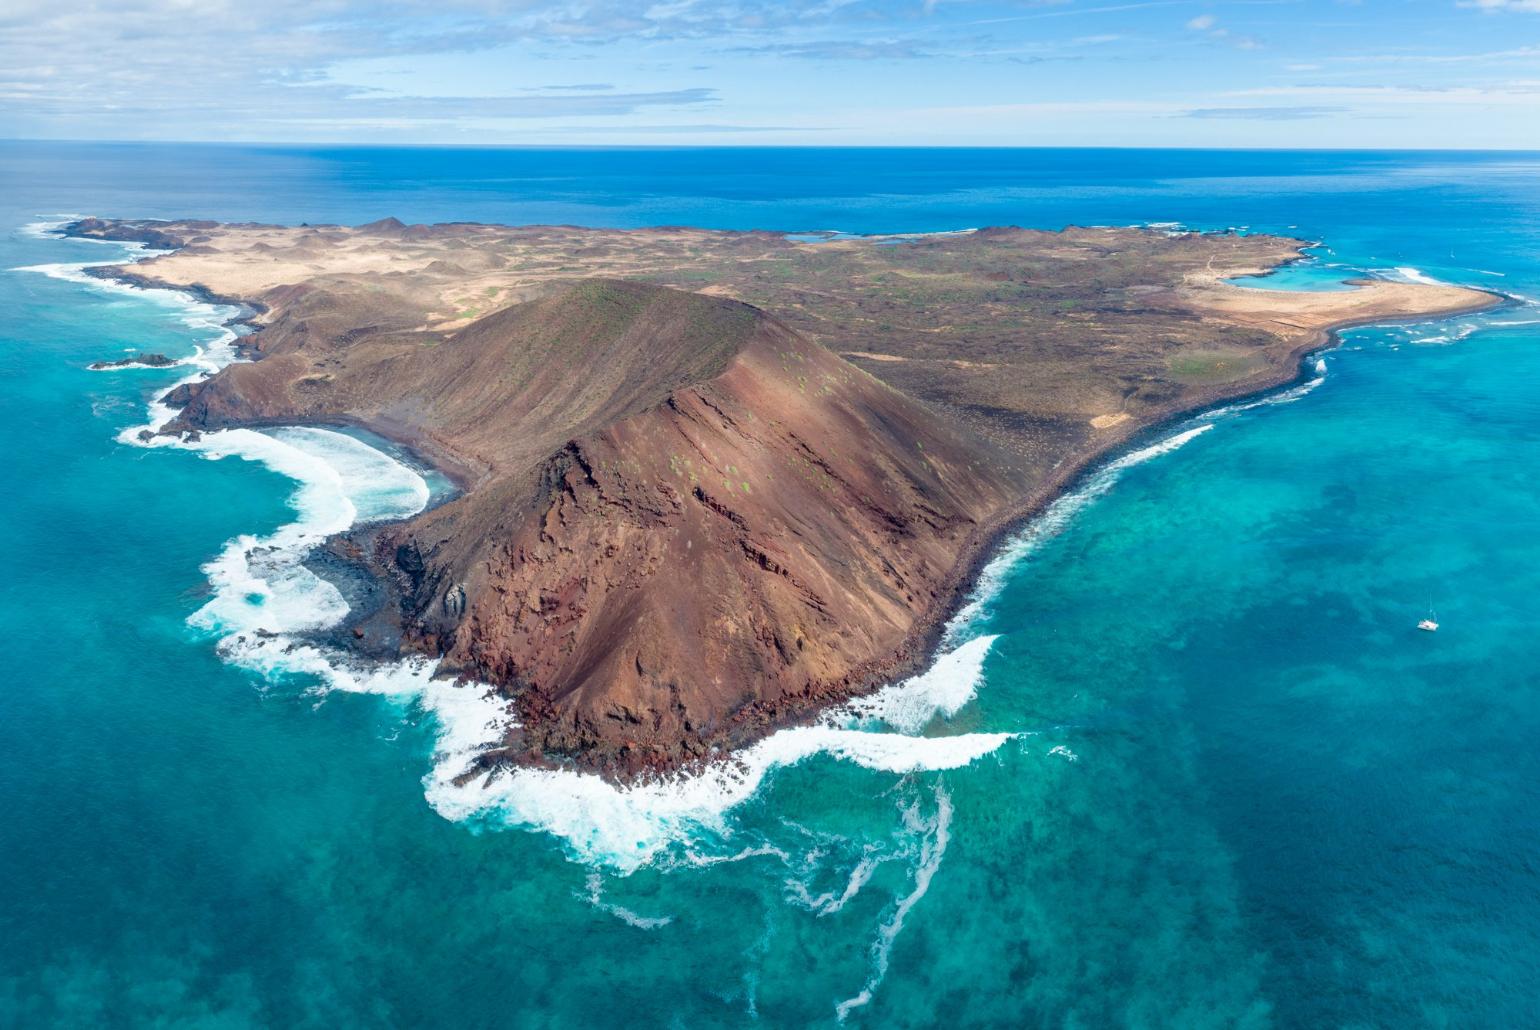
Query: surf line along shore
{"x": 717, "y": 482}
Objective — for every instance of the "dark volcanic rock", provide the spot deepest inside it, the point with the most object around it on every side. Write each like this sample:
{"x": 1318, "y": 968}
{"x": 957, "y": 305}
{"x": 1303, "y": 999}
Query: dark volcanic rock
{"x": 691, "y": 521}
{"x": 151, "y": 234}
{"x": 136, "y": 361}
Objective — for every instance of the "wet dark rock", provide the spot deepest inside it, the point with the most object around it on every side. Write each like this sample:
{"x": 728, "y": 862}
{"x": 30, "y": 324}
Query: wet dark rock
{"x": 143, "y": 360}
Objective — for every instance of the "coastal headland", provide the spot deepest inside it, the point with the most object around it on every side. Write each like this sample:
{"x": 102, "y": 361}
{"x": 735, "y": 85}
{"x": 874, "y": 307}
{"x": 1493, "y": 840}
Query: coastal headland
{"x": 713, "y": 482}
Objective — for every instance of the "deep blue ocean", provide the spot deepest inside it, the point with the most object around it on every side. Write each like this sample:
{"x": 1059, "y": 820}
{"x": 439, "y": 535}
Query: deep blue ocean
{"x": 1186, "y": 763}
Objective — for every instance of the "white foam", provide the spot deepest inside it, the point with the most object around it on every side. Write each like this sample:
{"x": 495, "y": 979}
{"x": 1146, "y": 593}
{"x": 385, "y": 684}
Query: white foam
{"x": 1048, "y": 525}
{"x": 1288, "y": 396}
{"x": 1171, "y": 230}
{"x": 832, "y": 235}
{"x": 1454, "y": 335}
{"x": 1407, "y": 274}
{"x": 925, "y": 235}
{"x": 951, "y": 681}
{"x": 932, "y": 850}
{"x": 48, "y": 227}
{"x": 261, "y": 585}
{"x": 828, "y": 903}
{"x": 625, "y": 827}
{"x": 694, "y": 858}
{"x": 595, "y": 897}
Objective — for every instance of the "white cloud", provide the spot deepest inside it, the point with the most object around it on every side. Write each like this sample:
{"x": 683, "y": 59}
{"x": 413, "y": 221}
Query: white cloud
{"x": 1523, "y": 53}
{"x": 1503, "y": 5}
{"x": 1518, "y": 93}
{"x": 1264, "y": 114}
{"x": 1210, "y": 27}
{"x": 192, "y": 69}
{"x": 475, "y": 70}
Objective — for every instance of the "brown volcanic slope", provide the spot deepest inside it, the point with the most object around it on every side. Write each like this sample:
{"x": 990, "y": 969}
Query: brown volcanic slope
{"x": 687, "y": 518}
{"x": 690, "y": 519}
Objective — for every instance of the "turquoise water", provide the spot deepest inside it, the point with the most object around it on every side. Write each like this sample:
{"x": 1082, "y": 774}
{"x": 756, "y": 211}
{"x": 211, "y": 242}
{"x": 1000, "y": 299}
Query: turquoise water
{"x": 1313, "y": 275}
{"x": 1240, "y": 787}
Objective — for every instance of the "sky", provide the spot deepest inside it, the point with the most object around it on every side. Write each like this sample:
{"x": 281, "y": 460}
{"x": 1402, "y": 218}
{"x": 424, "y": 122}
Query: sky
{"x": 1233, "y": 73}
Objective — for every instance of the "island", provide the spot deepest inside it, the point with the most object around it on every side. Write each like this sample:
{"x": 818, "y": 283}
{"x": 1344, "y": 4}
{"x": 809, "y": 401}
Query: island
{"x": 141, "y": 360}
{"x": 713, "y": 482}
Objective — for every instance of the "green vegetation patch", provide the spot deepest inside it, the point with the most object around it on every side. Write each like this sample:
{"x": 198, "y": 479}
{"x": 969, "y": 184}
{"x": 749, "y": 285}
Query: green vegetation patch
{"x": 1214, "y": 366}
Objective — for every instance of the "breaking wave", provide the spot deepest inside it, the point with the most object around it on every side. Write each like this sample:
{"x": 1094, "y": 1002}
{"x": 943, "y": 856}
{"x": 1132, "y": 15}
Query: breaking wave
{"x": 1406, "y": 273}
{"x": 1453, "y": 335}
{"x": 627, "y": 827}
{"x": 942, "y": 690}
{"x": 1288, "y": 396}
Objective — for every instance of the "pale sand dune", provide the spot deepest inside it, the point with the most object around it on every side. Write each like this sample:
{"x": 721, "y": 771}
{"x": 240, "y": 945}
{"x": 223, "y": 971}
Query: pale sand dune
{"x": 247, "y": 261}
{"x": 1296, "y": 313}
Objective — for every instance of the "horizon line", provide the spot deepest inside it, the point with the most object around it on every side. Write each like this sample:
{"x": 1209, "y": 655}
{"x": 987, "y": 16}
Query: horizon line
{"x": 296, "y": 144}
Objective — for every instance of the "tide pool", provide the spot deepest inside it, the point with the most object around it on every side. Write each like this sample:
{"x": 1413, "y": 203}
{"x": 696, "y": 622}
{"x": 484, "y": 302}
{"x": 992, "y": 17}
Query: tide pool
{"x": 1186, "y": 760}
{"x": 1311, "y": 275}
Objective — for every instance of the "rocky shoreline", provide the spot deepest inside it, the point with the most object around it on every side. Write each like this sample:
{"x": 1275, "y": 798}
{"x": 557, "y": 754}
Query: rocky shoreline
{"x": 141, "y": 360}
